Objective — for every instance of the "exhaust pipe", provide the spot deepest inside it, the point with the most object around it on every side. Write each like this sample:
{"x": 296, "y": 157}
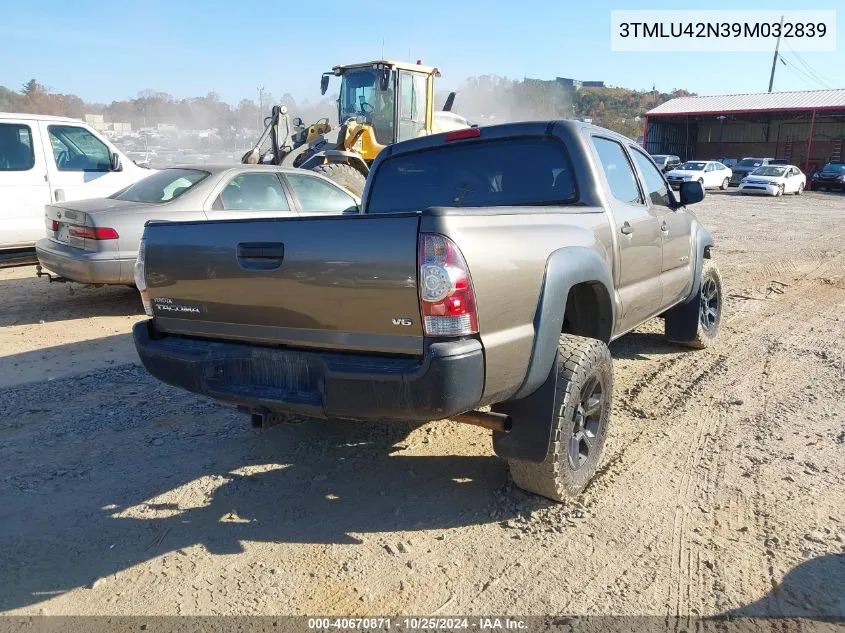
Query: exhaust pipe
{"x": 493, "y": 421}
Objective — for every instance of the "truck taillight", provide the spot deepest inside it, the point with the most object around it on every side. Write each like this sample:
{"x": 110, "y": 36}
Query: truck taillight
{"x": 52, "y": 225}
{"x": 446, "y": 295}
{"x": 140, "y": 279}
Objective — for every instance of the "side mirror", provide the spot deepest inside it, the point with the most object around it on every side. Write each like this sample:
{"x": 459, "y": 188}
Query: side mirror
{"x": 691, "y": 192}
{"x": 114, "y": 160}
{"x": 297, "y": 121}
{"x": 324, "y": 84}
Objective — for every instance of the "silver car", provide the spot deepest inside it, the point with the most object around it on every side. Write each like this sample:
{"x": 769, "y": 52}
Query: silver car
{"x": 96, "y": 241}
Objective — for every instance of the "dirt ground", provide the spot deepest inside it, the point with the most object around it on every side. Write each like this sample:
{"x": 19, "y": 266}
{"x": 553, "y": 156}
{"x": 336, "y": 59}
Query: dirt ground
{"x": 722, "y": 487}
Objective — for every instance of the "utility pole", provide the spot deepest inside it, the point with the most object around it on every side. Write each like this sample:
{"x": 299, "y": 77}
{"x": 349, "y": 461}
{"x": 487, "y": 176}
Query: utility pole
{"x": 775, "y": 58}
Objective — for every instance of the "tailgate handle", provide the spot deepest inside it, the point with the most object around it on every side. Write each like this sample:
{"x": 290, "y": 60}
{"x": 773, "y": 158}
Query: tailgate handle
{"x": 261, "y": 255}
{"x": 261, "y": 250}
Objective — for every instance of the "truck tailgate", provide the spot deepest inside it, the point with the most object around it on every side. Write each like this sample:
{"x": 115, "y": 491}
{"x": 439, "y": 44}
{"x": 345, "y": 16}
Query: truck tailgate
{"x": 341, "y": 283}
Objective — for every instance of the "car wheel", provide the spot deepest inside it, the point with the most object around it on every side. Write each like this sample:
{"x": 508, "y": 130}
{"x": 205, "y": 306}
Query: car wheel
{"x": 696, "y": 323}
{"x": 780, "y": 190}
{"x": 725, "y": 184}
{"x": 581, "y": 410}
{"x": 800, "y": 189}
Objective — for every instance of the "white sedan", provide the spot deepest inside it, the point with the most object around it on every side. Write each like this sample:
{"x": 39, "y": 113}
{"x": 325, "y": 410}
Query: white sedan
{"x": 709, "y": 173}
{"x": 774, "y": 180}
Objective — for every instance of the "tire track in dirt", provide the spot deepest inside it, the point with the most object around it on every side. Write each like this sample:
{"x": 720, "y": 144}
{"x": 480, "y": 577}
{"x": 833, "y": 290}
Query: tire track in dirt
{"x": 766, "y": 319}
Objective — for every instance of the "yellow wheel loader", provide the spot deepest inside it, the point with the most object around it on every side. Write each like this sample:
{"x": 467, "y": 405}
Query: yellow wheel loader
{"x": 380, "y": 103}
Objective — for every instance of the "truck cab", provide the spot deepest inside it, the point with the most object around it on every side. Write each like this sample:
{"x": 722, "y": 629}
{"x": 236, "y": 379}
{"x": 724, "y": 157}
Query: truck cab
{"x": 45, "y": 159}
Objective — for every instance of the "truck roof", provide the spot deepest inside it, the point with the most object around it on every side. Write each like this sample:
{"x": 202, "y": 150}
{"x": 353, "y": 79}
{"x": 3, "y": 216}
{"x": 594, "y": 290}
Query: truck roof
{"x": 501, "y": 131}
{"x": 38, "y": 117}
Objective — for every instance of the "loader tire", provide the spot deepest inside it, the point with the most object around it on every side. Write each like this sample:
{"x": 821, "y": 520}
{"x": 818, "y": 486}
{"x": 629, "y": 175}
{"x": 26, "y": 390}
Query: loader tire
{"x": 696, "y": 323}
{"x": 343, "y": 174}
{"x": 581, "y": 411}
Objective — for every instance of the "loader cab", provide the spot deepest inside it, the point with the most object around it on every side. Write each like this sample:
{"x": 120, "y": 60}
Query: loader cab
{"x": 386, "y": 102}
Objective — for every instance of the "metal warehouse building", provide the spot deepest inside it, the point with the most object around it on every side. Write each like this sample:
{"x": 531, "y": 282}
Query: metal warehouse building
{"x": 806, "y": 128}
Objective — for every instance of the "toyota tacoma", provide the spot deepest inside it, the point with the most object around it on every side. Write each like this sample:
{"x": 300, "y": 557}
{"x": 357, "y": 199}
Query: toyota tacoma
{"x": 481, "y": 281}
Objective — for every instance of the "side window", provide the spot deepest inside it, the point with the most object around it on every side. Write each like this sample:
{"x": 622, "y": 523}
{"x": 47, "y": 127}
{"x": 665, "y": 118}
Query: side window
{"x": 620, "y": 175}
{"x": 76, "y": 149}
{"x": 318, "y": 196}
{"x": 254, "y": 192}
{"x": 16, "y": 147}
{"x": 656, "y": 187}
{"x": 412, "y": 91}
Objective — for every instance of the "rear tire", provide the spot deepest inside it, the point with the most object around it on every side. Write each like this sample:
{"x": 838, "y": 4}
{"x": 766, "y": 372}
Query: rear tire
{"x": 696, "y": 323}
{"x": 800, "y": 189}
{"x": 725, "y": 184}
{"x": 582, "y": 412}
{"x": 343, "y": 174}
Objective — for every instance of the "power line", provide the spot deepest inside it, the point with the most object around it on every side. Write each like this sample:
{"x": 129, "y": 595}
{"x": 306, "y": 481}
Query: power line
{"x": 795, "y": 69}
{"x": 807, "y": 66}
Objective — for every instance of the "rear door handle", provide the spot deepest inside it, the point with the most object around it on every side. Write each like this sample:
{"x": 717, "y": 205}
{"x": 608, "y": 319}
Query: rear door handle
{"x": 627, "y": 229}
{"x": 664, "y": 227}
{"x": 261, "y": 255}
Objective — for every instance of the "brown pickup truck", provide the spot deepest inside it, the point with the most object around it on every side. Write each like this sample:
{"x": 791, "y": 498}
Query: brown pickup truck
{"x": 488, "y": 268}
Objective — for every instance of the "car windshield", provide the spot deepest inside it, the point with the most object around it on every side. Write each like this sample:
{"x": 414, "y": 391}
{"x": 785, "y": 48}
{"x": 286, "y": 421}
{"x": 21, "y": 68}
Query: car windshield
{"x": 768, "y": 170}
{"x": 162, "y": 186}
{"x": 511, "y": 172}
{"x": 749, "y": 162}
{"x": 835, "y": 167}
{"x": 692, "y": 166}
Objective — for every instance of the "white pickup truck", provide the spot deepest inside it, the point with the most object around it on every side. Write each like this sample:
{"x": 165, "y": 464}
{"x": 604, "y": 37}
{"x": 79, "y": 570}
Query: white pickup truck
{"x": 45, "y": 159}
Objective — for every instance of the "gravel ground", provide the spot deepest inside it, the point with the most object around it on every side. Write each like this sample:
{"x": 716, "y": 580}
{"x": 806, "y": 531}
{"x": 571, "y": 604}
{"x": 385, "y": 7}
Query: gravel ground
{"x": 721, "y": 488}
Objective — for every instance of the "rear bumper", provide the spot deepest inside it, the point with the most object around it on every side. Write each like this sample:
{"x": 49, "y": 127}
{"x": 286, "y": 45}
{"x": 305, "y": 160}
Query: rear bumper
{"x": 448, "y": 380}
{"x": 78, "y": 265}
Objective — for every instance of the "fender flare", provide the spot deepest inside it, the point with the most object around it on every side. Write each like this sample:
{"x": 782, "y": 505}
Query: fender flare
{"x": 702, "y": 242}
{"x": 337, "y": 156}
{"x": 565, "y": 268}
{"x": 531, "y": 407}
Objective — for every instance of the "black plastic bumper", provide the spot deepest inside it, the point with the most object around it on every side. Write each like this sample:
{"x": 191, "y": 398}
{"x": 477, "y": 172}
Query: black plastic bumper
{"x": 448, "y": 380}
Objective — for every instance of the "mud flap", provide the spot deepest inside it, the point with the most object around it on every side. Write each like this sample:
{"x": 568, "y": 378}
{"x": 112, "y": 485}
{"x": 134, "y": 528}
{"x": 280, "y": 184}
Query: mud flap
{"x": 681, "y": 322}
{"x": 533, "y": 420}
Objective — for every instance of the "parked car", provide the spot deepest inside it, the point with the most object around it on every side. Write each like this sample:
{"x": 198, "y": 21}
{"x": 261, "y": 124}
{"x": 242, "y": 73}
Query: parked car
{"x": 666, "y": 162}
{"x": 746, "y": 166}
{"x": 47, "y": 159}
{"x": 489, "y": 266}
{"x": 774, "y": 180}
{"x": 709, "y": 173}
{"x": 831, "y": 176}
{"x": 730, "y": 163}
{"x": 96, "y": 241}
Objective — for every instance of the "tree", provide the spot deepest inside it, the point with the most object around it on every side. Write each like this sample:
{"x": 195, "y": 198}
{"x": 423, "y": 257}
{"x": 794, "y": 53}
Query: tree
{"x": 32, "y": 88}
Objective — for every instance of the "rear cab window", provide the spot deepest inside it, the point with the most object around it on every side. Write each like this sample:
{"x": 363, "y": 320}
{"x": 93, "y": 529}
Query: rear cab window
{"x": 533, "y": 171}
